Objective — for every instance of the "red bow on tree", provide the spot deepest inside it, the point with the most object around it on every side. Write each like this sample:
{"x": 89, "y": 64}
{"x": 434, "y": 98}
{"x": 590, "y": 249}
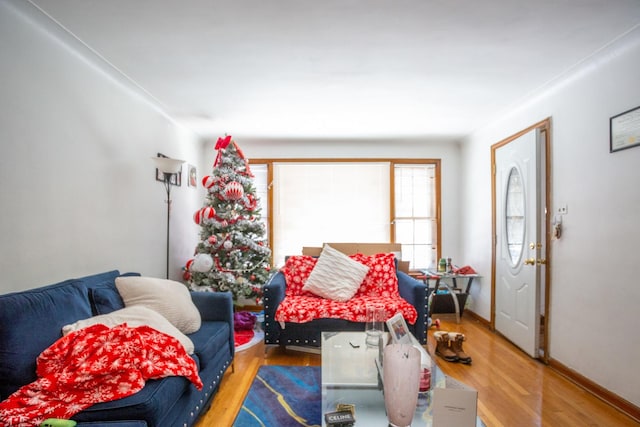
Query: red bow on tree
{"x": 223, "y": 142}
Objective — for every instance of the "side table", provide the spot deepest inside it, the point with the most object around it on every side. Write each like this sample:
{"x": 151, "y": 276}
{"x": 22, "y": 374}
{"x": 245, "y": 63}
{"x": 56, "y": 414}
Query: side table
{"x": 441, "y": 279}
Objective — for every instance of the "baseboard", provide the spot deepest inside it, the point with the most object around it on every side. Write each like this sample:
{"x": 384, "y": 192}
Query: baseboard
{"x": 478, "y": 318}
{"x": 600, "y": 392}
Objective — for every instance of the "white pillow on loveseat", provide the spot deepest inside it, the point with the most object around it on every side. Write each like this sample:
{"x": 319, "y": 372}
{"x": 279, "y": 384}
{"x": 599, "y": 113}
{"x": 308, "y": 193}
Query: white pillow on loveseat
{"x": 335, "y": 275}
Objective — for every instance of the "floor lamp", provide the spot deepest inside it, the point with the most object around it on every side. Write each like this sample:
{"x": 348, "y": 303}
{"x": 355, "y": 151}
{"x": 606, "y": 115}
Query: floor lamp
{"x": 168, "y": 167}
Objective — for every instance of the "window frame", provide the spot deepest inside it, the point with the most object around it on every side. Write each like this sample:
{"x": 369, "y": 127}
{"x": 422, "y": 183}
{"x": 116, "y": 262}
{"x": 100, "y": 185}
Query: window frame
{"x": 392, "y": 163}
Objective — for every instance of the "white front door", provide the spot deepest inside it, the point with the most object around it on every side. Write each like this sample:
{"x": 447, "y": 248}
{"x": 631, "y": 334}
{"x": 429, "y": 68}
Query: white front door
{"x": 519, "y": 240}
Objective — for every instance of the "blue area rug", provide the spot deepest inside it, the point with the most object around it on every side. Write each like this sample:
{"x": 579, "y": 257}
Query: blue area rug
{"x": 283, "y": 396}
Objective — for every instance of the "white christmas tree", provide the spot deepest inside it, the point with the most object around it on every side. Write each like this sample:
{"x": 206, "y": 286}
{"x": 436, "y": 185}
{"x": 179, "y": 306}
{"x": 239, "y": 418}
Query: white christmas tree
{"x": 232, "y": 254}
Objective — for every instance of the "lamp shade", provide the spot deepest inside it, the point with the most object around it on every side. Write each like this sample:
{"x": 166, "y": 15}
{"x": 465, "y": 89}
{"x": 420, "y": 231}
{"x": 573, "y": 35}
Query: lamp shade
{"x": 167, "y": 165}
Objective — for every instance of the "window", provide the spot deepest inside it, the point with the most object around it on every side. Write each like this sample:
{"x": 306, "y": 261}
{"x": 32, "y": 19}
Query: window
{"x": 415, "y": 218}
{"x": 514, "y": 216}
{"x": 308, "y": 203}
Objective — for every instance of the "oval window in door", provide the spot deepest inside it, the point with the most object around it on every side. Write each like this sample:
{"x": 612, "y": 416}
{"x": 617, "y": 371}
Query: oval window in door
{"x": 514, "y": 216}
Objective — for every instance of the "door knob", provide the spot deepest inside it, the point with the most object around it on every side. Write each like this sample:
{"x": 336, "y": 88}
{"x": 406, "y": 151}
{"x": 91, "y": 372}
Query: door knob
{"x": 530, "y": 261}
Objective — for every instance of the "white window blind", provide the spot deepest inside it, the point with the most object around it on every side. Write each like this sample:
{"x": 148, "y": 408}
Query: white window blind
{"x": 316, "y": 203}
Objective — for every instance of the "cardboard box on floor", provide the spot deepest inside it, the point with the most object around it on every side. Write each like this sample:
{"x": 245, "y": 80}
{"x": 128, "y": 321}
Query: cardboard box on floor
{"x": 363, "y": 248}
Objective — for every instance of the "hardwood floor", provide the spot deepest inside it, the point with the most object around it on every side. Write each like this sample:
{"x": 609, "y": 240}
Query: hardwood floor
{"x": 513, "y": 389}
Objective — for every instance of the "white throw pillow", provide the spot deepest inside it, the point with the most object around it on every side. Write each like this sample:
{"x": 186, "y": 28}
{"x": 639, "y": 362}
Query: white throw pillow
{"x": 167, "y": 297}
{"x": 137, "y": 315}
{"x": 335, "y": 276}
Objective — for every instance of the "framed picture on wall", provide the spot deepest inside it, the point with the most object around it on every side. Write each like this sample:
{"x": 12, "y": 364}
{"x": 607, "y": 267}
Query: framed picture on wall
{"x": 192, "y": 177}
{"x": 624, "y": 130}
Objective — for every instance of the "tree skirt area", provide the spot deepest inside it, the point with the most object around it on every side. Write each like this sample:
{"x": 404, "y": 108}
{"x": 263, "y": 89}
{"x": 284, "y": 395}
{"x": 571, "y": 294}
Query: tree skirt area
{"x": 245, "y": 332}
{"x": 283, "y": 396}
{"x": 248, "y": 338}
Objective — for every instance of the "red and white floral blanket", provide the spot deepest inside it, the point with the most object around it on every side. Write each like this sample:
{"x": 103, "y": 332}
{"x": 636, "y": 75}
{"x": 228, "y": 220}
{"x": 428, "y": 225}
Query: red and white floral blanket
{"x": 92, "y": 365}
{"x": 379, "y": 286}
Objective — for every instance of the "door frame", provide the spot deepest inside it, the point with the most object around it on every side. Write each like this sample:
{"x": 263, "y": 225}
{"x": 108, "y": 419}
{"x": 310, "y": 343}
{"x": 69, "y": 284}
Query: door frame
{"x": 544, "y": 125}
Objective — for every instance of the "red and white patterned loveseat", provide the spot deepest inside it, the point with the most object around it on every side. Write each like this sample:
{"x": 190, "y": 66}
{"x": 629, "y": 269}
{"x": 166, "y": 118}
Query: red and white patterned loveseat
{"x": 294, "y": 316}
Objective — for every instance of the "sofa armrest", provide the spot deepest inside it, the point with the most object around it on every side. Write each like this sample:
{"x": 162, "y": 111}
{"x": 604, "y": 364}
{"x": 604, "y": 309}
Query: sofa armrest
{"x": 273, "y": 293}
{"x": 216, "y": 306}
{"x": 415, "y": 293}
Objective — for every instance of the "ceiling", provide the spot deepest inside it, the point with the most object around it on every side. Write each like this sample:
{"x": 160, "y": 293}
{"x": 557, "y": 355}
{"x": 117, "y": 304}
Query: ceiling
{"x": 335, "y": 69}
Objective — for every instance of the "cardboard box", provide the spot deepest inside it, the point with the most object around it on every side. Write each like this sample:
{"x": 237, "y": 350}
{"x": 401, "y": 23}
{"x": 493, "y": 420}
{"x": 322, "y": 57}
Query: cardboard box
{"x": 363, "y": 248}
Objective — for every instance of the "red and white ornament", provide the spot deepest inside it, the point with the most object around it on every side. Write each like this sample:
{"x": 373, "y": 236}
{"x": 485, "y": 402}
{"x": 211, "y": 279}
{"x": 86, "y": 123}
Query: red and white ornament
{"x": 251, "y": 203}
{"x": 208, "y": 212}
{"x": 233, "y": 191}
{"x": 227, "y": 245}
{"x": 204, "y": 213}
{"x": 212, "y": 240}
{"x": 189, "y": 264}
{"x": 208, "y": 181}
{"x": 197, "y": 217}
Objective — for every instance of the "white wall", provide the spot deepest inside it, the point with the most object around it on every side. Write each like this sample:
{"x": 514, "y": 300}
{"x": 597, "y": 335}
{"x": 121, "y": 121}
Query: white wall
{"x": 594, "y": 281}
{"x": 78, "y": 190}
{"x": 448, "y": 152}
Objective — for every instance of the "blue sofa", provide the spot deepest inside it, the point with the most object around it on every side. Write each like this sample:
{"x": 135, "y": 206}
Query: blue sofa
{"x": 308, "y": 334}
{"x": 30, "y": 321}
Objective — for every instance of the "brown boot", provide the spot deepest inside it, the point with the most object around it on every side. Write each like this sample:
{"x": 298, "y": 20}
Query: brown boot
{"x": 456, "y": 347}
{"x": 442, "y": 347}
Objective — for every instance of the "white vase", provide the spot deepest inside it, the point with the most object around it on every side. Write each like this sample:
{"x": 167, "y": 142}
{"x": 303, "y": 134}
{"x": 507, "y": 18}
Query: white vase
{"x": 401, "y": 383}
